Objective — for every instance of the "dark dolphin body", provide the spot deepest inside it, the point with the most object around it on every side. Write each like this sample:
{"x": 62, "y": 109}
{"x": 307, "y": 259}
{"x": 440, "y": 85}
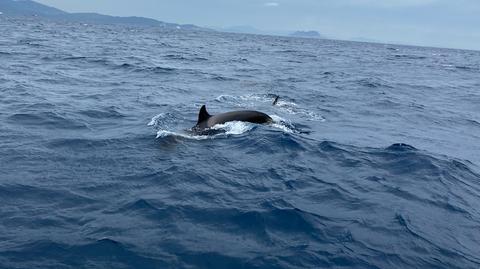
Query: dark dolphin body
{"x": 206, "y": 120}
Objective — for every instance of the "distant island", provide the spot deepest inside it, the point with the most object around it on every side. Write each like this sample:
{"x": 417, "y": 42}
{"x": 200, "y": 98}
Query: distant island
{"x": 246, "y": 29}
{"x": 307, "y": 34}
{"x": 242, "y": 29}
{"x": 28, "y": 8}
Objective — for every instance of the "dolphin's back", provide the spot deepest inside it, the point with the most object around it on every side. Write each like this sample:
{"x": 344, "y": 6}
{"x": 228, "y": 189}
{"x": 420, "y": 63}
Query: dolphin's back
{"x": 205, "y": 120}
{"x": 243, "y": 115}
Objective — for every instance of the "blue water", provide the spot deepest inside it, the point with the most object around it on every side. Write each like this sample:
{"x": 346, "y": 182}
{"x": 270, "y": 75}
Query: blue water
{"x": 372, "y": 162}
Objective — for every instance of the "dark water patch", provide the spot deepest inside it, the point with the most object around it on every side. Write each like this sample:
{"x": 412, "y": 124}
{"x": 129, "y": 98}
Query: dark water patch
{"x": 406, "y": 160}
{"x": 126, "y": 66}
{"x": 99, "y": 254}
{"x": 467, "y": 68}
{"x": 19, "y": 194}
{"x": 158, "y": 70}
{"x": 41, "y": 106}
{"x": 291, "y": 79}
{"x": 329, "y": 146}
{"x": 417, "y": 106}
{"x": 424, "y": 243}
{"x": 199, "y": 59}
{"x": 400, "y": 147}
{"x": 98, "y": 61}
{"x": 404, "y": 223}
{"x": 83, "y": 144}
{"x": 240, "y": 60}
{"x": 287, "y": 51}
{"x": 206, "y": 259}
{"x": 32, "y": 223}
{"x": 328, "y": 73}
{"x": 139, "y": 206}
{"x": 33, "y": 42}
{"x": 387, "y": 104}
{"x": 292, "y": 220}
{"x": 106, "y": 113}
{"x": 175, "y": 57}
{"x": 255, "y": 223}
{"x": 52, "y": 58}
{"x": 288, "y": 143}
{"x": 393, "y": 49}
{"x": 46, "y": 119}
{"x": 403, "y": 159}
{"x": 472, "y": 122}
{"x": 222, "y": 78}
{"x": 373, "y": 83}
{"x": 440, "y": 205}
{"x": 73, "y": 58}
{"x": 409, "y": 57}
{"x": 89, "y": 144}
{"x": 185, "y": 58}
{"x": 344, "y": 156}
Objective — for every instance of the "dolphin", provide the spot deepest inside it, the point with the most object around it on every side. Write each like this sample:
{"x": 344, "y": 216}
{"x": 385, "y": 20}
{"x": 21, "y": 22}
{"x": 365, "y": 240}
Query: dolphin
{"x": 205, "y": 120}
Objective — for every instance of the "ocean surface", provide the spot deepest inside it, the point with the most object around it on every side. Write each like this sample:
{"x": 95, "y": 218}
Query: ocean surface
{"x": 372, "y": 161}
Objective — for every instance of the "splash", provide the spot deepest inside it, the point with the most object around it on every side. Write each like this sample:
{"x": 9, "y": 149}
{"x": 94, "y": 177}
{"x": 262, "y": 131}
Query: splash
{"x": 284, "y": 104}
{"x": 186, "y": 135}
{"x": 293, "y": 109}
{"x": 155, "y": 119}
{"x": 234, "y": 127}
{"x": 246, "y": 100}
{"x": 219, "y": 130}
{"x": 163, "y": 120}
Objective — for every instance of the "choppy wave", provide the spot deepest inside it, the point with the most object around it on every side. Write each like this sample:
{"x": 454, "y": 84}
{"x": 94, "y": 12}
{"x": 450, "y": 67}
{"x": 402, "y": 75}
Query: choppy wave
{"x": 51, "y": 119}
{"x": 371, "y": 161}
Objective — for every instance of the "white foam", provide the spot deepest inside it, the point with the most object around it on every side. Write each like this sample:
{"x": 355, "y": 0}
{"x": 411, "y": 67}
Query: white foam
{"x": 155, "y": 119}
{"x": 163, "y": 123}
{"x": 224, "y": 97}
{"x": 163, "y": 120}
{"x": 283, "y": 127}
{"x": 277, "y": 118}
{"x": 256, "y": 97}
{"x": 283, "y": 103}
{"x": 314, "y": 116}
{"x": 165, "y": 133}
{"x": 245, "y": 99}
{"x": 229, "y": 128}
{"x": 234, "y": 127}
{"x": 448, "y": 66}
{"x": 282, "y": 124}
{"x": 291, "y": 108}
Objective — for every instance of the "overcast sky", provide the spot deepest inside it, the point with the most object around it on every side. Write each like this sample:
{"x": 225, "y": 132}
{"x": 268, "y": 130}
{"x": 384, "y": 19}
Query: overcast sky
{"x": 443, "y": 23}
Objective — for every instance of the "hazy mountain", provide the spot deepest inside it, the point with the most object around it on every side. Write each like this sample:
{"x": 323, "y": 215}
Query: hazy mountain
{"x": 308, "y": 34}
{"x": 244, "y": 29}
{"x": 31, "y": 8}
{"x": 28, "y": 8}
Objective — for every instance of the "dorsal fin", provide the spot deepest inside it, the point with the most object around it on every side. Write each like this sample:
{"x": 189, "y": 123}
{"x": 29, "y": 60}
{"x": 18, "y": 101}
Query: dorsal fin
{"x": 203, "y": 114}
{"x": 276, "y": 100}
